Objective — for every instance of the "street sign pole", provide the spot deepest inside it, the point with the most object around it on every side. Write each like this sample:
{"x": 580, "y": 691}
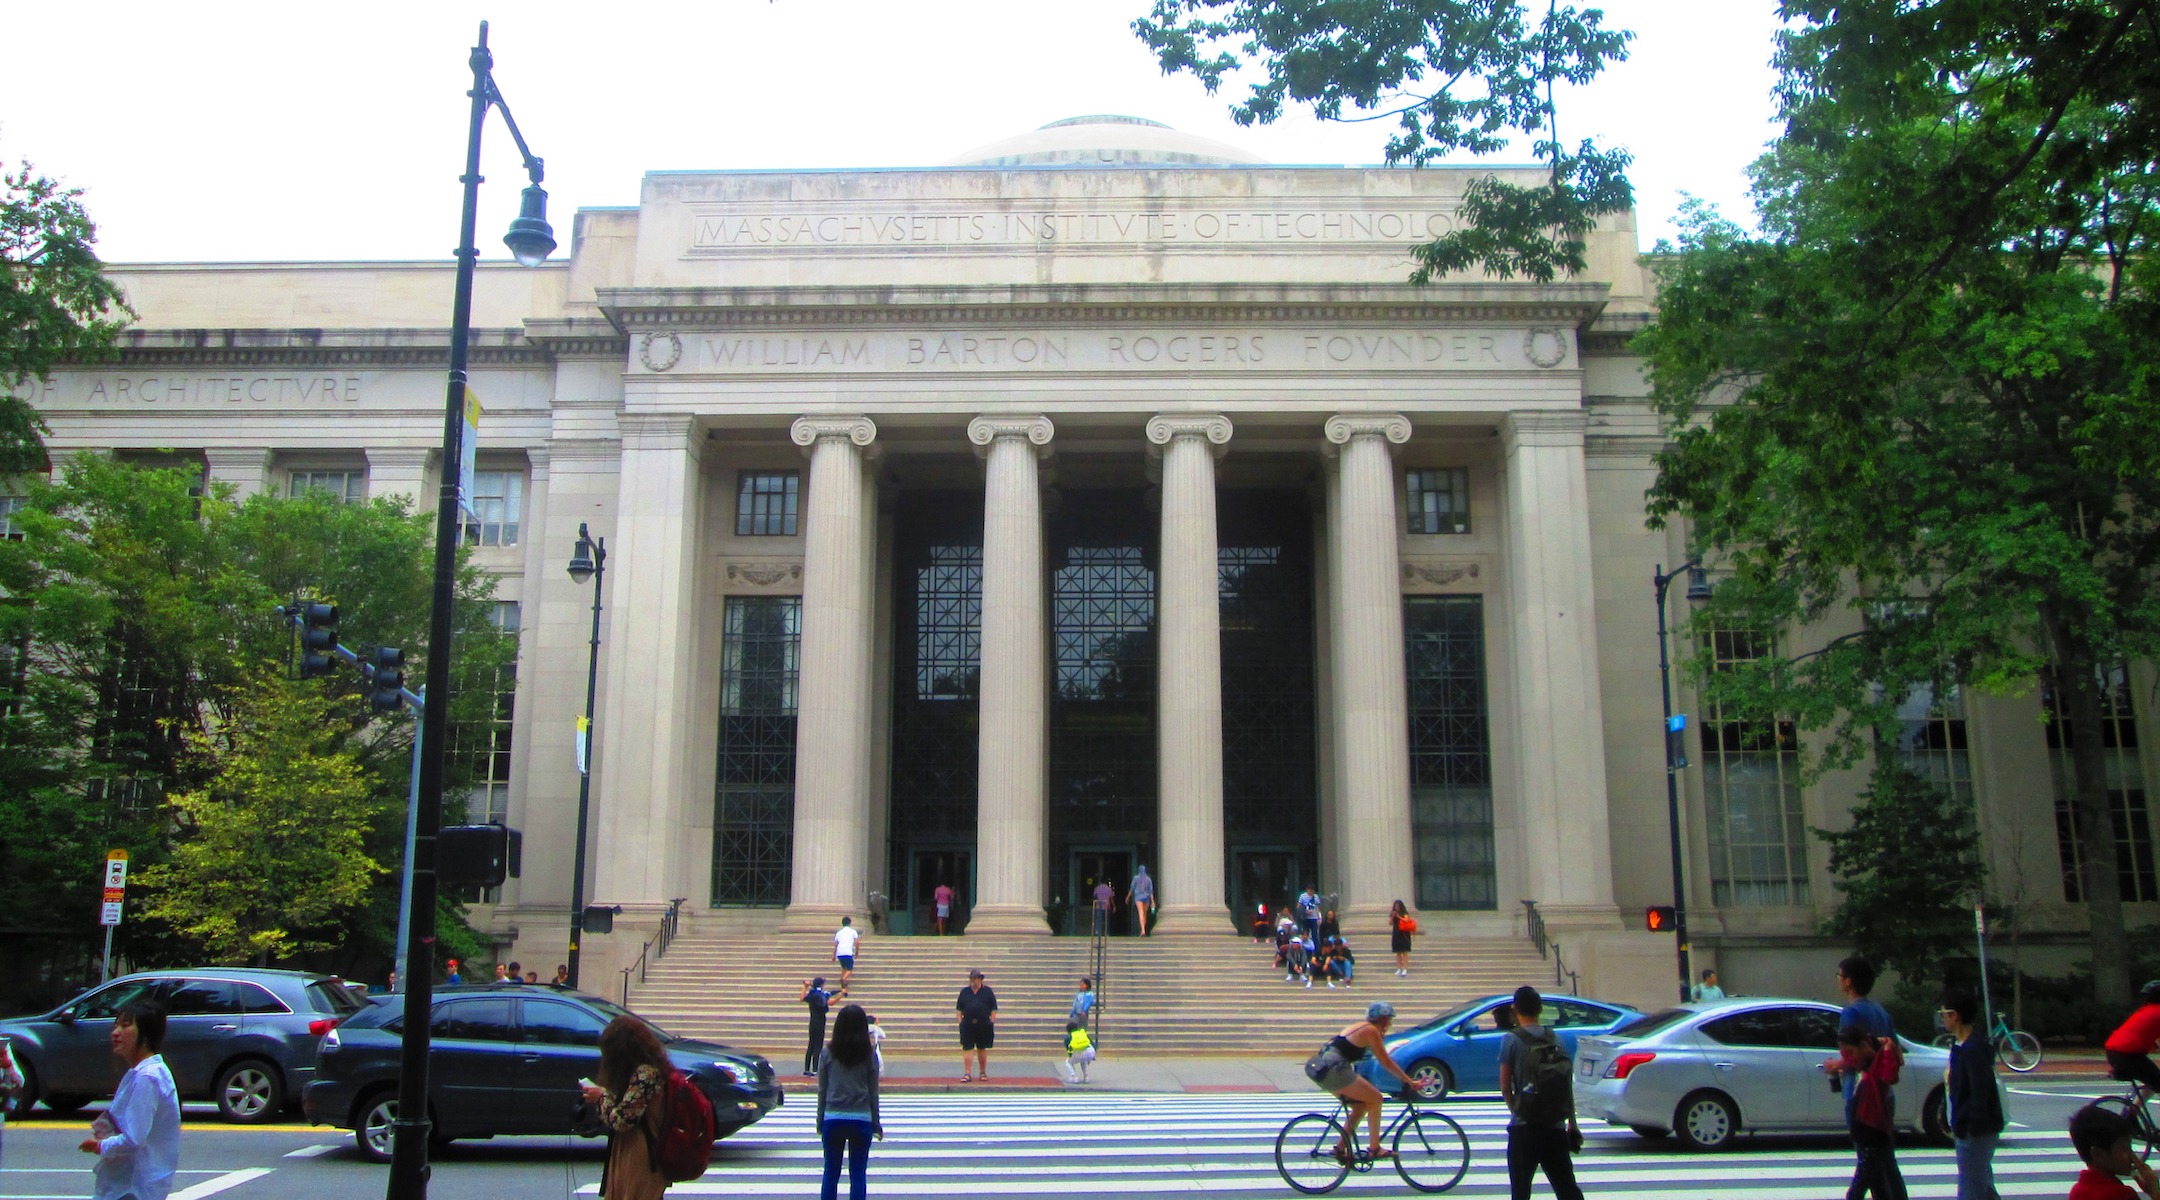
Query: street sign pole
{"x": 116, "y": 863}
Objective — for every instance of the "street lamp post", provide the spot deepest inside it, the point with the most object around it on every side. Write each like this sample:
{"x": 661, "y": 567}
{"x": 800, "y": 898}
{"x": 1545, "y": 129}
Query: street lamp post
{"x": 1698, "y": 589}
{"x": 588, "y": 561}
{"x": 530, "y": 241}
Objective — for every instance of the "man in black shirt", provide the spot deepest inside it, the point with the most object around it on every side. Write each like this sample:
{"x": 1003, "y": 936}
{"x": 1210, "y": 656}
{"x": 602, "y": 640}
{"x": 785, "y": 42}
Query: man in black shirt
{"x": 819, "y": 1000}
{"x": 977, "y": 1012}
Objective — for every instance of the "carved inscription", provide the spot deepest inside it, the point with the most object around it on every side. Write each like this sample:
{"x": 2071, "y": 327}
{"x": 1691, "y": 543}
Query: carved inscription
{"x": 1218, "y": 350}
{"x": 720, "y": 231}
{"x": 195, "y": 390}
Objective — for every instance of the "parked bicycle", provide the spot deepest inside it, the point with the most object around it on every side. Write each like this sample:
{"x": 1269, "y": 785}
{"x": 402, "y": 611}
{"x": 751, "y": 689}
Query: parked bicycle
{"x": 1430, "y": 1151}
{"x": 2014, "y": 1048}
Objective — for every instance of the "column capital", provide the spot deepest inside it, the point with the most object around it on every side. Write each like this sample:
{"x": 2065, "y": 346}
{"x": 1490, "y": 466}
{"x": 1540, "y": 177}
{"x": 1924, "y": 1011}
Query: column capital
{"x": 807, "y": 432}
{"x": 1163, "y": 429}
{"x": 661, "y": 431}
{"x": 1341, "y": 427}
{"x": 1037, "y": 430}
{"x": 1561, "y": 429}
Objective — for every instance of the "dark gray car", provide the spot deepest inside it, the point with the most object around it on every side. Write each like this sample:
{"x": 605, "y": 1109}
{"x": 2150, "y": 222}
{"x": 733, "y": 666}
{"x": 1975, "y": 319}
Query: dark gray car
{"x": 242, "y": 1037}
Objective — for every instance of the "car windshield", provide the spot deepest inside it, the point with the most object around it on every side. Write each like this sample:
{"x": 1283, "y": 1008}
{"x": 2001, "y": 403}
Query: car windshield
{"x": 1653, "y": 1023}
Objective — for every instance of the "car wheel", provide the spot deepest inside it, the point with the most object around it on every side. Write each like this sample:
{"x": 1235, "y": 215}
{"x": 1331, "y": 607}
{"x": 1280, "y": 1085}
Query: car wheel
{"x": 1934, "y": 1119}
{"x": 1706, "y": 1121}
{"x": 19, "y": 1103}
{"x": 1651, "y": 1132}
{"x": 249, "y": 1092}
{"x": 1430, "y": 1078}
{"x": 65, "y": 1102}
{"x": 373, "y": 1125}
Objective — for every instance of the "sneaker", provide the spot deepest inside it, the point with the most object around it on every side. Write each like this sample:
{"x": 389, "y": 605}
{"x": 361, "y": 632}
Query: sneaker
{"x": 1289, "y": 979}
{"x": 1331, "y": 985}
{"x": 1308, "y": 985}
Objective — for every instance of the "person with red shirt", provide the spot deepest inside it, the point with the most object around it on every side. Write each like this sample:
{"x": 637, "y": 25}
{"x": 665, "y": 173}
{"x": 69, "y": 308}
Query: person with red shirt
{"x": 2102, "y": 1139}
{"x": 1873, "y": 1064}
{"x": 2130, "y": 1048}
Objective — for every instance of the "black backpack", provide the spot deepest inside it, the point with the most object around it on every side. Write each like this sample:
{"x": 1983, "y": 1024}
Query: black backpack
{"x": 1545, "y": 1089}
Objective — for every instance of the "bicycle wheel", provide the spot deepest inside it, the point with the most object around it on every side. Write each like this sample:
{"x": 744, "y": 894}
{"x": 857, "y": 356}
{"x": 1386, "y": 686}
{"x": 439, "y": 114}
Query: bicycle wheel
{"x": 2020, "y": 1051}
{"x": 1431, "y": 1151}
{"x": 1944, "y": 1041}
{"x": 1305, "y": 1154}
{"x": 2143, "y": 1137}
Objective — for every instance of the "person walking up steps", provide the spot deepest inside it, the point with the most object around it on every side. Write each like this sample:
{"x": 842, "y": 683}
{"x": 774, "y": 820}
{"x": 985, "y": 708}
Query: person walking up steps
{"x": 1142, "y": 896}
{"x": 943, "y": 898}
{"x": 1538, "y": 1083}
{"x": 843, "y": 950}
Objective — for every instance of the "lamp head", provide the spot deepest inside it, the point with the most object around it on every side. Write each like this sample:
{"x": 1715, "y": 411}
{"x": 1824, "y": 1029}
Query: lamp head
{"x": 531, "y": 239}
{"x": 581, "y": 559}
{"x": 1698, "y": 585}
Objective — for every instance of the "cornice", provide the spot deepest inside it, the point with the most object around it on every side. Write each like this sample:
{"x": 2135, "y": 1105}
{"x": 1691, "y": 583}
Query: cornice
{"x": 315, "y": 348}
{"x": 579, "y": 337}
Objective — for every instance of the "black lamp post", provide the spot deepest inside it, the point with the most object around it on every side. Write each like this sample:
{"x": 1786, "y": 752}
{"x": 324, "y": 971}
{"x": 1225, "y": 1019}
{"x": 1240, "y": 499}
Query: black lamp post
{"x": 530, "y": 241}
{"x": 1698, "y": 588}
{"x": 588, "y": 561}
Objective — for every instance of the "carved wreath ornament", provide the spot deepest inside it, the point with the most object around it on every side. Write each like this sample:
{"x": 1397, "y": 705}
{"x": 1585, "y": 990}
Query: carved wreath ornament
{"x": 659, "y": 351}
{"x": 1545, "y": 346}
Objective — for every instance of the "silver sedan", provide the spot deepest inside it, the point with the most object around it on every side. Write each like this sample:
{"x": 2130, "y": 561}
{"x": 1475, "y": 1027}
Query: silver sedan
{"x": 1709, "y": 1072}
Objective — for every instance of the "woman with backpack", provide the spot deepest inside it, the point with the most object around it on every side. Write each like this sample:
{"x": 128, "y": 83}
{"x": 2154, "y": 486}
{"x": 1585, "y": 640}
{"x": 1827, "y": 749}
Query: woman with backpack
{"x": 632, "y": 1089}
{"x": 1400, "y": 925}
{"x": 847, "y": 1103}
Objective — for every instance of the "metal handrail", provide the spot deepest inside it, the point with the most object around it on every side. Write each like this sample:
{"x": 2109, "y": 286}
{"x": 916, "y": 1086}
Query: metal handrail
{"x": 655, "y": 946}
{"x": 1559, "y": 969}
{"x": 1099, "y": 971}
{"x": 1537, "y": 928}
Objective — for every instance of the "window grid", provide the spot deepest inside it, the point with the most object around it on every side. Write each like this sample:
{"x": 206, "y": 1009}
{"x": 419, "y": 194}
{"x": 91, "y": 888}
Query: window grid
{"x": 492, "y": 510}
{"x": 1751, "y": 794}
{"x": 948, "y": 624}
{"x": 9, "y": 506}
{"x": 489, "y": 745}
{"x": 1451, "y": 795}
{"x": 754, "y": 789}
{"x": 349, "y": 487}
{"x": 766, "y": 502}
{"x": 2131, "y": 816}
{"x": 1439, "y": 500}
{"x": 1932, "y": 740}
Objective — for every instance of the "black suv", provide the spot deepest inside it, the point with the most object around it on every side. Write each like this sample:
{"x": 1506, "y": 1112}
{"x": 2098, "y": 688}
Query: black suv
{"x": 506, "y": 1059}
{"x": 240, "y": 1036}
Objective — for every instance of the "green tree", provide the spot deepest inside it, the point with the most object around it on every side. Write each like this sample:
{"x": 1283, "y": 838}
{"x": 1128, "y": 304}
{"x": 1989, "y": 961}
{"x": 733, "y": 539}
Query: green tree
{"x": 55, "y": 301}
{"x": 1923, "y": 394}
{"x": 139, "y": 614}
{"x": 1454, "y": 76}
{"x": 271, "y": 855}
{"x": 1907, "y": 869}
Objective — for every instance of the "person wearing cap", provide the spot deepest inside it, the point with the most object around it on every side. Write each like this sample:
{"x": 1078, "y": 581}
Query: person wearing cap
{"x": 453, "y": 978}
{"x": 1334, "y": 1069}
{"x": 976, "y": 1009}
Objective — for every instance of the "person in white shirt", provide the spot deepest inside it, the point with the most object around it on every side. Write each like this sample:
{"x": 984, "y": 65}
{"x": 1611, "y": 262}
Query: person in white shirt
{"x": 137, "y": 1140}
{"x": 843, "y": 949}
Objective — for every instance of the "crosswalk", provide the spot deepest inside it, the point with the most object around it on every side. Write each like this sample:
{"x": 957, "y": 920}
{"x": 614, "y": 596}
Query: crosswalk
{"x": 1124, "y": 1144}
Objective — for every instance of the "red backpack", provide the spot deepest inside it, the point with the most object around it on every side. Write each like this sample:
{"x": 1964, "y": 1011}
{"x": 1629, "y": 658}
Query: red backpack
{"x": 683, "y": 1148}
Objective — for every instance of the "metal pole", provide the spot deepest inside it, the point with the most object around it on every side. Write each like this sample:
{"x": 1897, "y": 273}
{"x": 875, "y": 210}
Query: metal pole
{"x": 584, "y": 787}
{"x": 1672, "y": 786}
{"x": 408, "y": 1157}
{"x": 404, "y": 903}
{"x": 105, "y": 971}
{"x": 1987, "y": 1006}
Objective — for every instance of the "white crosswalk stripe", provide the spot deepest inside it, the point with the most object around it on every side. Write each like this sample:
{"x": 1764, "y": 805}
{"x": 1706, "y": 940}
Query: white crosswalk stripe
{"x": 1124, "y": 1144}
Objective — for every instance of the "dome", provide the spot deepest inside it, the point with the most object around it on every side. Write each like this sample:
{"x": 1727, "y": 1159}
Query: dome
{"x": 1104, "y": 140}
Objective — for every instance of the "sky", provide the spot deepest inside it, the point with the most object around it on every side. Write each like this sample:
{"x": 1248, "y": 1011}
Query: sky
{"x": 292, "y": 132}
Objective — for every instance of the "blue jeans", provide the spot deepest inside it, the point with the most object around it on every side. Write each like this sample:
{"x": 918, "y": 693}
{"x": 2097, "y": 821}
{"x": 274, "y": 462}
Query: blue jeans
{"x": 855, "y": 1137}
{"x": 1976, "y": 1166}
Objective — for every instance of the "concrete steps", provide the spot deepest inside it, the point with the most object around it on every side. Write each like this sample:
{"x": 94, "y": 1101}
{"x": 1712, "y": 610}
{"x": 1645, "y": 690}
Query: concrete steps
{"x": 1168, "y": 996}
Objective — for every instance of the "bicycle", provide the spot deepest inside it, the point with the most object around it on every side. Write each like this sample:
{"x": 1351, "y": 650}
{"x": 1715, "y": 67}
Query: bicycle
{"x": 1431, "y": 1151}
{"x": 2014, "y": 1048}
{"x": 2144, "y": 1134}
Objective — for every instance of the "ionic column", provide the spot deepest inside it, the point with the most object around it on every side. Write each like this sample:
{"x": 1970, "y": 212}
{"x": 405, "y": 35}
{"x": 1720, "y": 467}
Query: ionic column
{"x": 1189, "y": 765}
{"x": 1371, "y": 704}
{"x": 399, "y": 471}
{"x": 247, "y": 469}
{"x": 1013, "y": 734}
{"x": 1560, "y": 786}
{"x": 640, "y": 817}
{"x": 832, "y": 726}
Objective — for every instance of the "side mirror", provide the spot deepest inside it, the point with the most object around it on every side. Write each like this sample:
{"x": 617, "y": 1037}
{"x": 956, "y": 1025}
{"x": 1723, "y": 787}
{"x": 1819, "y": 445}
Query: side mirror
{"x": 65, "y": 1016}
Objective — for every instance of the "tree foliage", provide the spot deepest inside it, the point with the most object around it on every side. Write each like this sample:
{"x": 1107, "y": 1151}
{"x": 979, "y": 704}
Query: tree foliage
{"x": 1454, "y": 76}
{"x": 1922, "y": 396}
{"x": 55, "y": 301}
{"x": 139, "y": 613}
{"x": 1908, "y": 868}
{"x": 271, "y": 855}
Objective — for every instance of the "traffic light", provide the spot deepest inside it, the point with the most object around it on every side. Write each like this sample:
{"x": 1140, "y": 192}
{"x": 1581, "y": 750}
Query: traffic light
{"x": 1676, "y": 742}
{"x": 478, "y": 855}
{"x": 387, "y": 676}
{"x": 318, "y": 638}
{"x": 1661, "y": 918}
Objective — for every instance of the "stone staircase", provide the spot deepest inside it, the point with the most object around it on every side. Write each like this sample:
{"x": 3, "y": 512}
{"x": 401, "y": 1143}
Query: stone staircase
{"x": 1162, "y": 996}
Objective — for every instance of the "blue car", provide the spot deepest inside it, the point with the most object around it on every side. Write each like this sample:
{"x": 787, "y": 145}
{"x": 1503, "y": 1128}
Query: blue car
{"x": 1459, "y": 1050}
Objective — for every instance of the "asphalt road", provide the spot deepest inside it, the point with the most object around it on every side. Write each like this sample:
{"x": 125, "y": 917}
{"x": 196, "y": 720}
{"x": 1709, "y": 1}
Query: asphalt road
{"x": 1079, "y": 1144}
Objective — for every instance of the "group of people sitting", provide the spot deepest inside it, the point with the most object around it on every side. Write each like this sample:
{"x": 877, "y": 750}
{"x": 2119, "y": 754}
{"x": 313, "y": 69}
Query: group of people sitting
{"x": 1304, "y": 956}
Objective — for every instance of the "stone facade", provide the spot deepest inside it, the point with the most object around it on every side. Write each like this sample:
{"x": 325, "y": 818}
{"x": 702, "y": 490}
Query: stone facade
{"x": 1023, "y": 340}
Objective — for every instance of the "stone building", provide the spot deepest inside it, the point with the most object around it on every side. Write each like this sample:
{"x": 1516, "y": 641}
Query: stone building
{"x": 1101, "y": 498}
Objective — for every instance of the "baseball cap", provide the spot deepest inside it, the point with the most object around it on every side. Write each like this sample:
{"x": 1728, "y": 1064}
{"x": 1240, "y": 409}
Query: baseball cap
{"x": 975, "y": 974}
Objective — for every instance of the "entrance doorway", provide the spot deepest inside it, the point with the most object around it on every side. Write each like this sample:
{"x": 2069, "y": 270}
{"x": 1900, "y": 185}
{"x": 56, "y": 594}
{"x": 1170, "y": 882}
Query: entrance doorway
{"x": 1262, "y": 877}
{"x": 926, "y": 870}
{"x": 1093, "y": 866}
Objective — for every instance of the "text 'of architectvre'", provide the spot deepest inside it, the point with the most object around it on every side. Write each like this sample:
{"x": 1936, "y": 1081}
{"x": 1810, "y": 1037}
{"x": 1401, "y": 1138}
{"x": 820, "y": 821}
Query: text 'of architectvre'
{"x": 1171, "y": 349}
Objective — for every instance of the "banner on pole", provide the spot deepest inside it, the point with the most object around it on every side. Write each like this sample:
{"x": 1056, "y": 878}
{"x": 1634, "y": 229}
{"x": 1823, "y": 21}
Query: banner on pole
{"x": 468, "y": 452}
{"x": 584, "y": 740}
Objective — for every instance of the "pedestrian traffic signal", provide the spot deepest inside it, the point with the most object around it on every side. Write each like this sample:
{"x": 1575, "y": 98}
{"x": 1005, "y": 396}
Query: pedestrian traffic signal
{"x": 1676, "y": 742}
{"x": 1661, "y": 918}
{"x": 387, "y": 677}
{"x": 318, "y": 638}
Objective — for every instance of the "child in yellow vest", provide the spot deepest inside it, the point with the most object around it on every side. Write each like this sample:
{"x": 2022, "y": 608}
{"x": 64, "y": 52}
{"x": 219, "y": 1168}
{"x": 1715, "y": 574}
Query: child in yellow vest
{"x": 1079, "y": 1053}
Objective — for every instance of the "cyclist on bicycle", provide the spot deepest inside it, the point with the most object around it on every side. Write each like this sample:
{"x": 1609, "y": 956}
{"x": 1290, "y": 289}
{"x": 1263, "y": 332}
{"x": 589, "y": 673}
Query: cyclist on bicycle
{"x": 2129, "y": 1048}
{"x": 1335, "y": 1070}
